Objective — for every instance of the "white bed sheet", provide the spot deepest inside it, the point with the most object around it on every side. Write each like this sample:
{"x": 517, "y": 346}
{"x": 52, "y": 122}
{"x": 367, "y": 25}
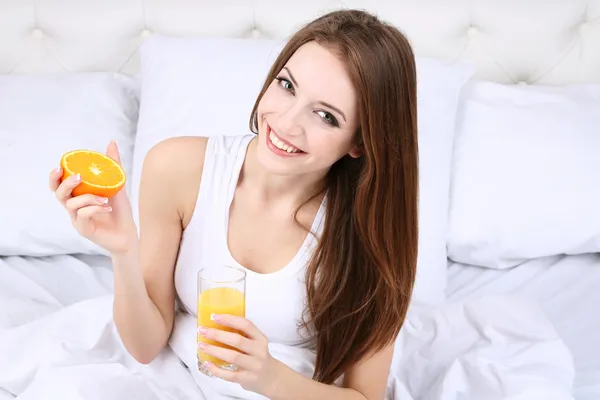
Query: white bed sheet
{"x": 58, "y": 340}
{"x": 32, "y": 287}
{"x": 567, "y": 289}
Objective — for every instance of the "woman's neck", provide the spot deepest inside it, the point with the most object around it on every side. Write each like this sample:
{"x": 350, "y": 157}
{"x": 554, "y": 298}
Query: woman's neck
{"x": 290, "y": 189}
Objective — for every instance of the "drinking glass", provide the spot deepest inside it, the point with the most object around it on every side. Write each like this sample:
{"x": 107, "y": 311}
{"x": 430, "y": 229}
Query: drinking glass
{"x": 221, "y": 290}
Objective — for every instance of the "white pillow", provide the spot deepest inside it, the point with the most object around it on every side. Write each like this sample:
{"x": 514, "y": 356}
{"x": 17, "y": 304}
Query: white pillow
{"x": 207, "y": 86}
{"x": 42, "y": 117}
{"x": 526, "y": 174}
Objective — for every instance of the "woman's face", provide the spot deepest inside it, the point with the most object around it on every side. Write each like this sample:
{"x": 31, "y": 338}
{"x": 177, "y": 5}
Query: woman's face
{"x": 307, "y": 118}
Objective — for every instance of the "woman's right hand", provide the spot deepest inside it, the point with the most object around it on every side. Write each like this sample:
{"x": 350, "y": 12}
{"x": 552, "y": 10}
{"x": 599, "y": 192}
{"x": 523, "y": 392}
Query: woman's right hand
{"x": 108, "y": 223}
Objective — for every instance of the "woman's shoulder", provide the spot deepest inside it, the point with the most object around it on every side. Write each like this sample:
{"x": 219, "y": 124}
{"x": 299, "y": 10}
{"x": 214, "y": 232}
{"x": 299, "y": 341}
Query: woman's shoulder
{"x": 177, "y": 157}
{"x": 180, "y": 150}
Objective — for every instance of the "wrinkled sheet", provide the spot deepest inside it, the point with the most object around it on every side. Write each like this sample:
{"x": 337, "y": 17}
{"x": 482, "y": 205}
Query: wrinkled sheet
{"x": 58, "y": 341}
{"x": 566, "y": 289}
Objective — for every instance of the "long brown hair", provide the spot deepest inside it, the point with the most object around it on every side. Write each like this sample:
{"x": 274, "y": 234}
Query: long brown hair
{"x": 360, "y": 279}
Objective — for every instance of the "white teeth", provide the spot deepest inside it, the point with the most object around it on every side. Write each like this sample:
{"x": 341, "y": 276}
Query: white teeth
{"x": 280, "y": 145}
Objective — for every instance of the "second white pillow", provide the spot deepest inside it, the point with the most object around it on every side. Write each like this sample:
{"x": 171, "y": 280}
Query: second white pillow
{"x": 526, "y": 174}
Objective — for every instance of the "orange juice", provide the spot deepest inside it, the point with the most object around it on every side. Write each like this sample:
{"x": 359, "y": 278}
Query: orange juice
{"x": 218, "y": 300}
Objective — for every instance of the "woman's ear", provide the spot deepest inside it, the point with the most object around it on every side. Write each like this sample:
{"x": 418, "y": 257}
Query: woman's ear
{"x": 356, "y": 152}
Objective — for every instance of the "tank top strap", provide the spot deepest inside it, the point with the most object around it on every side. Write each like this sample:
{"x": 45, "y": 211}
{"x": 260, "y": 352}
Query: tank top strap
{"x": 223, "y": 161}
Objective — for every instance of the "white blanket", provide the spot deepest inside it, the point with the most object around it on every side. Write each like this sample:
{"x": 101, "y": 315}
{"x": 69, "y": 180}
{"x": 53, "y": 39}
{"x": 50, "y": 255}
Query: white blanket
{"x": 488, "y": 348}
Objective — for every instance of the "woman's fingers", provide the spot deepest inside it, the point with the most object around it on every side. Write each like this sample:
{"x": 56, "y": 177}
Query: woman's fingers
{"x": 231, "y": 339}
{"x": 83, "y": 216}
{"x": 236, "y": 358}
{"x": 73, "y": 204}
{"x": 113, "y": 151}
{"x": 54, "y": 180}
{"x": 63, "y": 192}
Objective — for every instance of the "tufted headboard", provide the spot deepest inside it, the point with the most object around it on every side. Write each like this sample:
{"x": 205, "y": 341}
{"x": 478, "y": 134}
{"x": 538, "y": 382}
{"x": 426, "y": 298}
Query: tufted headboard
{"x": 549, "y": 42}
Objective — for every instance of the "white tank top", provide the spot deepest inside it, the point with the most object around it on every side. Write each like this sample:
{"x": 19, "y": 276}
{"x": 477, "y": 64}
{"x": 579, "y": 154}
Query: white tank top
{"x": 274, "y": 302}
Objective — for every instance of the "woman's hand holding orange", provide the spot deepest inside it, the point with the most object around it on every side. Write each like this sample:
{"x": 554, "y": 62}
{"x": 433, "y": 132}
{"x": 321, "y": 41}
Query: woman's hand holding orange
{"x": 108, "y": 222}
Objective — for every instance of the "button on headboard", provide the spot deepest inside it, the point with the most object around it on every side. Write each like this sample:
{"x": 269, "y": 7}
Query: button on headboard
{"x": 512, "y": 41}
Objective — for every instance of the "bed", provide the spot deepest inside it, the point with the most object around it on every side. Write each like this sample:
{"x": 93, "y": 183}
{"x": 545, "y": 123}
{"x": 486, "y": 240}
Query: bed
{"x": 43, "y": 298}
{"x": 506, "y": 298}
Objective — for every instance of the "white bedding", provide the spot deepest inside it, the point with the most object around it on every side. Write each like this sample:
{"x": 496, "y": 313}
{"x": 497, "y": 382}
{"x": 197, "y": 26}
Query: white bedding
{"x": 567, "y": 289}
{"x": 32, "y": 287}
{"x": 57, "y": 341}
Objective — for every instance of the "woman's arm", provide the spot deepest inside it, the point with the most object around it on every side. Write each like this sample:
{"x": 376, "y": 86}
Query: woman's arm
{"x": 144, "y": 299}
{"x": 365, "y": 381}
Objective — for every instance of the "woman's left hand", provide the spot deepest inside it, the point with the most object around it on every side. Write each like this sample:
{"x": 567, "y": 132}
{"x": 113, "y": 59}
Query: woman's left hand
{"x": 256, "y": 370}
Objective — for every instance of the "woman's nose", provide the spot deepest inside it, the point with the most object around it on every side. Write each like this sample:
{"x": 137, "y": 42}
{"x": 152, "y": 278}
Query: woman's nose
{"x": 290, "y": 121}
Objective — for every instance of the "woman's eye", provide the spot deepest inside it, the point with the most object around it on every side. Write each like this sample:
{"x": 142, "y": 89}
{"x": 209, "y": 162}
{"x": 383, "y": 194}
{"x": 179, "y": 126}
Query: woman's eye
{"x": 287, "y": 85}
{"x": 328, "y": 118}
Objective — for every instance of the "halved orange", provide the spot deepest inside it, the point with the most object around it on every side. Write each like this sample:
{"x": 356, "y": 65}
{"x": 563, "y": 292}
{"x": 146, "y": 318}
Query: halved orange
{"x": 100, "y": 174}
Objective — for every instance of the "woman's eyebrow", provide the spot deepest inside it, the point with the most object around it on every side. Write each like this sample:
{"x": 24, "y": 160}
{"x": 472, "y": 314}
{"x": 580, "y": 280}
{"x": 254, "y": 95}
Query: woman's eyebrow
{"x": 291, "y": 76}
{"x": 320, "y": 102}
{"x": 333, "y": 108}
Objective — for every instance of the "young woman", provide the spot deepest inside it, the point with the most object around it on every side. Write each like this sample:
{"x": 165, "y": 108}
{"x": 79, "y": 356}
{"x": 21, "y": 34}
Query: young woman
{"x": 333, "y": 151}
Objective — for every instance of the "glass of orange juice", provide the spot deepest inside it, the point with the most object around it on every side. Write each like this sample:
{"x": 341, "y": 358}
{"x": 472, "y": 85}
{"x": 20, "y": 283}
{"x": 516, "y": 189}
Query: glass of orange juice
{"x": 221, "y": 290}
